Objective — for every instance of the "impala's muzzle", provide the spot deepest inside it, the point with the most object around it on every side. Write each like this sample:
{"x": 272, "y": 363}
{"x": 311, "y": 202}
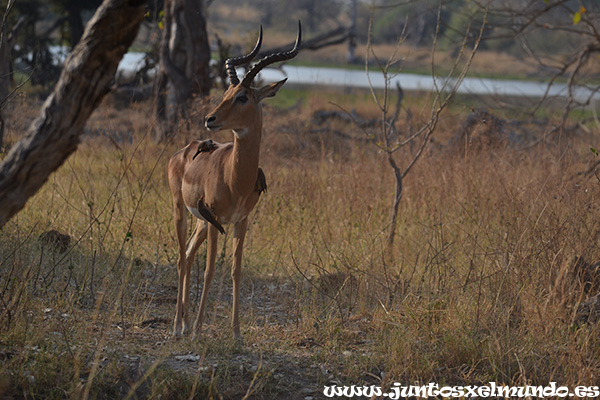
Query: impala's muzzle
{"x": 211, "y": 124}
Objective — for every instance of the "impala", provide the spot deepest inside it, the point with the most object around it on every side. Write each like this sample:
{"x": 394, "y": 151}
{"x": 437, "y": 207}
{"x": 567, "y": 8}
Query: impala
{"x": 221, "y": 183}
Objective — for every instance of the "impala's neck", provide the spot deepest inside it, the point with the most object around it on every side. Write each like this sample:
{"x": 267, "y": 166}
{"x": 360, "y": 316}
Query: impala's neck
{"x": 245, "y": 156}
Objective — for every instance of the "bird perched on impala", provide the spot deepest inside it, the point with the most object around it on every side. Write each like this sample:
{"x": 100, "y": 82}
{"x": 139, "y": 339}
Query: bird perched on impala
{"x": 221, "y": 183}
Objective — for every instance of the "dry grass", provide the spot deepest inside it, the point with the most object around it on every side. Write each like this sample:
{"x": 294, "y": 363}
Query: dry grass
{"x": 479, "y": 286}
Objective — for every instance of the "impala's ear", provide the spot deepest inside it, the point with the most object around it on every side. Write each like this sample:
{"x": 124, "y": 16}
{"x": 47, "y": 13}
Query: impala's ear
{"x": 269, "y": 90}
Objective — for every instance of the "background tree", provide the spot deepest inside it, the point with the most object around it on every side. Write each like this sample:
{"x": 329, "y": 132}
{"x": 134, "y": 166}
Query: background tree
{"x": 561, "y": 36}
{"x": 5, "y": 57}
{"x": 184, "y": 62}
{"x": 46, "y": 24}
{"x": 8, "y": 35}
{"x": 388, "y": 23}
{"x": 72, "y": 14}
{"x": 85, "y": 80}
{"x": 314, "y": 14}
{"x": 5, "y": 67}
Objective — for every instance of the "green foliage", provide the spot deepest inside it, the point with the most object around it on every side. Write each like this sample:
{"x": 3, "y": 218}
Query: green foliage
{"x": 316, "y": 15}
{"x": 417, "y": 21}
{"x": 388, "y": 27}
{"x": 578, "y": 14}
{"x": 463, "y": 22}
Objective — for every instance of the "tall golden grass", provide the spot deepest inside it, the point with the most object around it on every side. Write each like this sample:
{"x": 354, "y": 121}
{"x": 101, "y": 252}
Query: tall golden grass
{"x": 479, "y": 286}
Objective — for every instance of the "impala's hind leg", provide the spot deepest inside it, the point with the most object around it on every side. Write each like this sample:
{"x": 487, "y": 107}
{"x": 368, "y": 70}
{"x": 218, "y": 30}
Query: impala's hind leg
{"x": 197, "y": 239}
{"x": 239, "y": 233}
{"x": 211, "y": 254}
{"x": 181, "y": 230}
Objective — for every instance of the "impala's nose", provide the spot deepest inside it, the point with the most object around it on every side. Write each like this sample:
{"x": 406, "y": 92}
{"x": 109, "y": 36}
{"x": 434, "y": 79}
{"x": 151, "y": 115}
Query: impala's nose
{"x": 209, "y": 121}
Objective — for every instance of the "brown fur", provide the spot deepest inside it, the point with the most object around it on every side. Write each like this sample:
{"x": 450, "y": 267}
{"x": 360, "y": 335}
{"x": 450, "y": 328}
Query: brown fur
{"x": 223, "y": 184}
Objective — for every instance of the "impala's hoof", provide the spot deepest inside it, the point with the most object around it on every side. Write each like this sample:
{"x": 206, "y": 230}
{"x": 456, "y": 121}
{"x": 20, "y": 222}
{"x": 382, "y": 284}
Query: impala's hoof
{"x": 239, "y": 340}
{"x": 196, "y": 332}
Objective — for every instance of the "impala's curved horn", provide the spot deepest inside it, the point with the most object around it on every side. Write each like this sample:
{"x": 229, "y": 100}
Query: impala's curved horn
{"x": 273, "y": 58}
{"x": 231, "y": 63}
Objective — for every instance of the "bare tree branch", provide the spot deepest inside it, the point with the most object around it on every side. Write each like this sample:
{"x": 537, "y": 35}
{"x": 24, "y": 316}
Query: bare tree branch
{"x": 329, "y": 38}
{"x": 444, "y": 90}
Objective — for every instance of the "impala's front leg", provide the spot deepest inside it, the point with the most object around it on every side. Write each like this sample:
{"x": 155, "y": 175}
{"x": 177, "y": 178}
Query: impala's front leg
{"x": 239, "y": 233}
{"x": 209, "y": 272}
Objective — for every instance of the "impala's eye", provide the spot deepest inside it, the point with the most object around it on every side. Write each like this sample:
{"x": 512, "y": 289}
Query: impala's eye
{"x": 242, "y": 99}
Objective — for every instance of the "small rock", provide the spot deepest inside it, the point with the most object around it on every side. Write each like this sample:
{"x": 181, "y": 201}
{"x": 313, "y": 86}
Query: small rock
{"x": 323, "y": 369}
{"x": 188, "y": 357}
{"x": 54, "y": 238}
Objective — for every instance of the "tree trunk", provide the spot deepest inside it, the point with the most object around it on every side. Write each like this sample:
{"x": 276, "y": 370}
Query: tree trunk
{"x": 84, "y": 81}
{"x": 4, "y": 67}
{"x": 4, "y": 70}
{"x": 352, "y": 38}
{"x": 73, "y": 9}
{"x": 7, "y": 40}
{"x": 4, "y": 81}
{"x": 184, "y": 58}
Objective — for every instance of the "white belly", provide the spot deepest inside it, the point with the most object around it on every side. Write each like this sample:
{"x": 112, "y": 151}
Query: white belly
{"x": 195, "y": 212}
